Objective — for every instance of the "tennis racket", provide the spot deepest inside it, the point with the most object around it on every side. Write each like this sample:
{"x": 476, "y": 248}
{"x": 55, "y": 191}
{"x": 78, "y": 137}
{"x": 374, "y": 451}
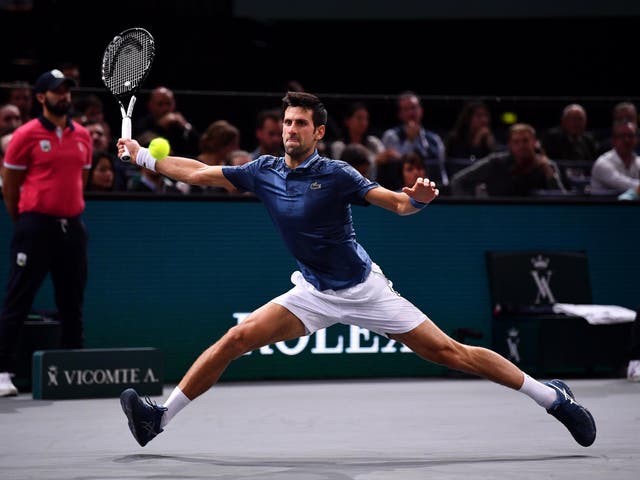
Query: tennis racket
{"x": 125, "y": 65}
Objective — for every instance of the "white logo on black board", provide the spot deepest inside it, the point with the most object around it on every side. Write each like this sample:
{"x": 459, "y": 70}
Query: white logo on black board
{"x": 542, "y": 277}
{"x": 52, "y": 373}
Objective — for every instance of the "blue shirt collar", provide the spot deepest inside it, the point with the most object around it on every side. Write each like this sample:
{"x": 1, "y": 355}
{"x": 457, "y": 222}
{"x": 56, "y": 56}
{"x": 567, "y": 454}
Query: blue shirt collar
{"x": 306, "y": 164}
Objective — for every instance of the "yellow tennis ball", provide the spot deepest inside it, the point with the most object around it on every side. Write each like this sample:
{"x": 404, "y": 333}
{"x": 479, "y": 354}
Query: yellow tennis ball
{"x": 509, "y": 118}
{"x": 159, "y": 148}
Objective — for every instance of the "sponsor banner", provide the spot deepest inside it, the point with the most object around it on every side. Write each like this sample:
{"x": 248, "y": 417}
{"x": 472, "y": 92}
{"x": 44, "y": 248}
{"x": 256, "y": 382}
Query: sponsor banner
{"x": 212, "y": 287}
{"x": 95, "y": 373}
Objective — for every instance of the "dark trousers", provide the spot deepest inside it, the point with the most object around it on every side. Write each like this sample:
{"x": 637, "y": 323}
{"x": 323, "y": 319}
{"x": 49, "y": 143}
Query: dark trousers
{"x": 43, "y": 244}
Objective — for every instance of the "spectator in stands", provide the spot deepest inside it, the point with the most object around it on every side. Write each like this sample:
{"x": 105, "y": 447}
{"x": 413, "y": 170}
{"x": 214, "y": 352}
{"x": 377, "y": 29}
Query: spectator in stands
{"x": 412, "y": 169}
{"x": 570, "y": 140}
{"x": 151, "y": 182}
{"x": 522, "y": 170}
{"x": 216, "y": 144}
{"x": 411, "y": 136}
{"x": 4, "y": 143}
{"x": 357, "y": 155}
{"x": 239, "y": 157}
{"x": 88, "y": 108}
{"x": 103, "y": 142}
{"x": 571, "y": 145}
{"x": 102, "y": 172}
{"x": 20, "y": 95}
{"x": 624, "y": 112}
{"x": 164, "y": 120}
{"x": 621, "y": 112}
{"x": 100, "y": 135}
{"x": 268, "y": 134}
{"x": 356, "y": 131}
{"x": 618, "y": 170}
{"x": 71, "y": 69}
{"x": 10, "y": 118}
{"x": 471, "y": 137}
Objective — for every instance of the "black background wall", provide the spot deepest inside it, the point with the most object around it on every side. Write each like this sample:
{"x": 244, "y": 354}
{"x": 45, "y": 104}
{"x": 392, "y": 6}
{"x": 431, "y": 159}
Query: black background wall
{"x": 497, "y": 50}
{"x": 566, "y": 50}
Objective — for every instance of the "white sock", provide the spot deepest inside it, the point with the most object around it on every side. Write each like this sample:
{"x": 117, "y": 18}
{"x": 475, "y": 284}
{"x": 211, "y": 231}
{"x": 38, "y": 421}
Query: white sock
{"x": 176, "y": 402}
{"x": 542, "y": 394}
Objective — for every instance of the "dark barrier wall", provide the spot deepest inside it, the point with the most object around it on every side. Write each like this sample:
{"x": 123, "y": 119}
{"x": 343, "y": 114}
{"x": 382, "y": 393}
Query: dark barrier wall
{"x": 176, "y": 274}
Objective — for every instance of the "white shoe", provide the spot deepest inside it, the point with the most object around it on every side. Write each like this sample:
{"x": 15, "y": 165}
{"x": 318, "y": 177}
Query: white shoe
{"x": 8, "y": 389}
{"x": 633, "y": 371}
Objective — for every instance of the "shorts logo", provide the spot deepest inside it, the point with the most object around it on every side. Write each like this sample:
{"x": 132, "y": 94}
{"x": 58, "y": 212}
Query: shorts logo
{"x": 21, "y": 259}
{"x": 45, "y": 145}
{"x": 315, "y": 186}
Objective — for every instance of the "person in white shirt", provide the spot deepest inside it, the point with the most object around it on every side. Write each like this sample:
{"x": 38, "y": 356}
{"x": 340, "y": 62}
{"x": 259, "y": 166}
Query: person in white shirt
{"x": 618, "y": 169}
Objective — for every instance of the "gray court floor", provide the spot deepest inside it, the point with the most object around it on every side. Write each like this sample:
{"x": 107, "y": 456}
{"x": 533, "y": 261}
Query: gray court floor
{"x": 334, "y": 430}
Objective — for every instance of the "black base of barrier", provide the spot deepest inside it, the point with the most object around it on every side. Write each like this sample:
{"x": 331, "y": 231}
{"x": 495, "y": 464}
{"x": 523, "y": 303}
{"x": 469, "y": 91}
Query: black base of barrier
{"x": 96, "y": 373}
{"x": 38, "y": 333}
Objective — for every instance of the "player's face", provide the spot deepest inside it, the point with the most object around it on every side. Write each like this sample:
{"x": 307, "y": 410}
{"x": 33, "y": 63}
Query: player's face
{"x": 299, "y": 134}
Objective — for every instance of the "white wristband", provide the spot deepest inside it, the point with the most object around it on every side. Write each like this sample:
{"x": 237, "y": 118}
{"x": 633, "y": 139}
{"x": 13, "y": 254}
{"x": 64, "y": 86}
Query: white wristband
{"x": 144, "y": 159}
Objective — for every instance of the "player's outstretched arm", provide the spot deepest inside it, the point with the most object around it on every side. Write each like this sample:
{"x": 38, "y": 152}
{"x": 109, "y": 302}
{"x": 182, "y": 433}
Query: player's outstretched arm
{"x": 409, "y": 201}
{"x": 181, "y": 169}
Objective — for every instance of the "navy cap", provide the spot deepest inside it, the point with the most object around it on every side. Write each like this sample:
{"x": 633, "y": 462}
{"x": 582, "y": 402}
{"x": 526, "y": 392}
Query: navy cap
{"x": 51, "y": 80}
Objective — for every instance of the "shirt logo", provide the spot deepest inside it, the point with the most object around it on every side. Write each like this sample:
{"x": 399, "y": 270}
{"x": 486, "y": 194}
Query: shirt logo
{"x": 315, "y": 186}
{"x": 45, "y": 145}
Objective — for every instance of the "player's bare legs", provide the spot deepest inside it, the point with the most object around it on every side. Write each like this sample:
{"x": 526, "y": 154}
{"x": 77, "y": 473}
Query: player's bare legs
{"x": 269, "y": 324}
{"x": 431, "y": 343}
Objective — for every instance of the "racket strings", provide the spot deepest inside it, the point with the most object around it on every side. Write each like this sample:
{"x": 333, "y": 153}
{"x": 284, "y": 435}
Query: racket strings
{"x": 127, "y": 61}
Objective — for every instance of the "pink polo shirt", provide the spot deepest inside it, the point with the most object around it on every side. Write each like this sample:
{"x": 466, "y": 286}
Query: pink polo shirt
{"x": 54, "y": 160}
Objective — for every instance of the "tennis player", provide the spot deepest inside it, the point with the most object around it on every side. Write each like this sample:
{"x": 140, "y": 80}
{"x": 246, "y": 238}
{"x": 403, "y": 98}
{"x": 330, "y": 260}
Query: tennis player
{"x": 308, "y": 198}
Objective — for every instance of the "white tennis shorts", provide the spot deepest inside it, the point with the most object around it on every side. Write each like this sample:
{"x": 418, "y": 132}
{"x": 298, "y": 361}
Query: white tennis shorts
{"x": 372, "y": 304}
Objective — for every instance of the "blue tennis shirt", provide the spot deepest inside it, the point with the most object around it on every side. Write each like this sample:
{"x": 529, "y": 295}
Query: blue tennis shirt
{"x": 311, "y": 207}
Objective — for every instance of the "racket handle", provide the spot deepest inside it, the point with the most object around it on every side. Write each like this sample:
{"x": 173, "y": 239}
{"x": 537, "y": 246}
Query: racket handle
{"x": 126, "y": 133}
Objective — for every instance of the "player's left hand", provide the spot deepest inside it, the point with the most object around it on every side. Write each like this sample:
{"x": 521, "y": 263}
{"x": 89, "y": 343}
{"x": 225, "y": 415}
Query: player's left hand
{"x": 424, "y": 190}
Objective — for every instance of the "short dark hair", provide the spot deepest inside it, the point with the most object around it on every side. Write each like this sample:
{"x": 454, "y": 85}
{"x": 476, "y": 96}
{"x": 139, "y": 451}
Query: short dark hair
{"x": 307, "y": 101}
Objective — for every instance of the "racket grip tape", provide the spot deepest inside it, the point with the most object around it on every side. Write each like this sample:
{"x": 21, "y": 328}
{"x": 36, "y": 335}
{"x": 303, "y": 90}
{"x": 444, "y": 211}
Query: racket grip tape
{"x": 126, "y": 133}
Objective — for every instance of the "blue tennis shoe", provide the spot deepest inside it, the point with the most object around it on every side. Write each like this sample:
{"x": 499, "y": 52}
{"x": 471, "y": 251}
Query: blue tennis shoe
{"x": 144, "y": 418}
{"x": 575, "y": 417}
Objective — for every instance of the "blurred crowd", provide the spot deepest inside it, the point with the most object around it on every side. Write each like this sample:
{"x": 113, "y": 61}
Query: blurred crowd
{"x": 475, "y": 157}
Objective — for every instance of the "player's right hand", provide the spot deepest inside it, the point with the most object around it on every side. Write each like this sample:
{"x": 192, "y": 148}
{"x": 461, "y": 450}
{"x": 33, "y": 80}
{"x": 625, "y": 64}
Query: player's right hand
{"x": 132, "y": 145}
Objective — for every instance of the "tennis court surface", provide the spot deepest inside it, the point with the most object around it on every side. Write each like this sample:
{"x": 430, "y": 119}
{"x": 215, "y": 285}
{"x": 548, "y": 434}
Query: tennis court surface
{"x": 335, "y": 430}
